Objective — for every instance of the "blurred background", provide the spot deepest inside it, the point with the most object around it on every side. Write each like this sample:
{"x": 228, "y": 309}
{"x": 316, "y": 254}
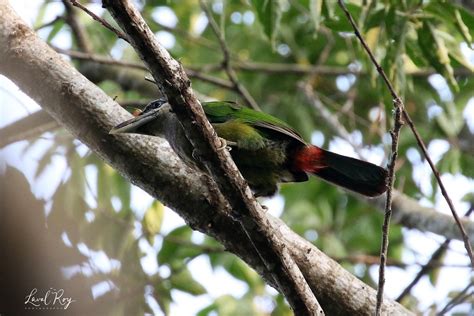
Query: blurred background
{"x": 71, "y": 221}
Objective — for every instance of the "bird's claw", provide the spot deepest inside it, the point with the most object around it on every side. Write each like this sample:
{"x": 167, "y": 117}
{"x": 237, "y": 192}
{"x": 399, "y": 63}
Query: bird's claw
{"x": 225, "y": 144}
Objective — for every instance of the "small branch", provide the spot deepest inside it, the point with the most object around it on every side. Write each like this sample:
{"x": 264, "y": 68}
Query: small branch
{"x": 226, "y": 62}
{"x": 77, "y": 29}
{"x": 399, "y": 108}
{"x": 399, "y": 111}
{"x": 108, "y": 61}
{"x": 302, "y": 69}
{"x": 375, "y": 260}
{"x": 458, "y": 299}
{"x": 399, "y": 104}
{"x": 425, "y": 269}
{"x": 98, "y": 59}
{"x": 429, "y": 266}
{"x": 50, "y": 23}
{"x": 421, "y": 144}
{"x": 106, "y": 24}
{"x": 388, "y": 206}
{"x": 333, "y": 122}
{"x": 31, "y": 126}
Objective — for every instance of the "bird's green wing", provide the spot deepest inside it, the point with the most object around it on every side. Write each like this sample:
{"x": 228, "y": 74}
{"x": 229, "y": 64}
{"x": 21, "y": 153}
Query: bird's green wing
{"x": 224, "y": 112}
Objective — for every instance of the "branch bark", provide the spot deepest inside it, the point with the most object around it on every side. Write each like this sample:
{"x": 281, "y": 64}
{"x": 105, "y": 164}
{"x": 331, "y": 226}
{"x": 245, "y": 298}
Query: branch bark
{"x": 89, "y": 114}
{"x": 406, "y": 210}
{"x": 174, "y": 83}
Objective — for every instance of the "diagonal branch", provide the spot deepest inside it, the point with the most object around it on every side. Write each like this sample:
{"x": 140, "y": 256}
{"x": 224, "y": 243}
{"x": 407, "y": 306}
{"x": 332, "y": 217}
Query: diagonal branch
{"x": 399, "y": 104}
{"x": 88, "y": 113}
{"x": 106, "y": 24}
{"x": 428, "y": 267}
{"x": 462, "y": 296}
{"x": 77, "y": 29}
{"x": 395, "y": 132}
{"x": 173, "y": 83}
{"x": 421, "y": 144}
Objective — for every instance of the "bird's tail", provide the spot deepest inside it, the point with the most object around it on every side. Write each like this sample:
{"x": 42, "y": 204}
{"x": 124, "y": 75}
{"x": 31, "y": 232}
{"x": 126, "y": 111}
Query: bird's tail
{"x": 350, "y": 173}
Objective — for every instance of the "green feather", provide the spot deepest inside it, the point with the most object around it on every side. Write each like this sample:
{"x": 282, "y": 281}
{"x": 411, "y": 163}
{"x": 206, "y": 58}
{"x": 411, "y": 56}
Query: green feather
{"x": 225, "y": 111}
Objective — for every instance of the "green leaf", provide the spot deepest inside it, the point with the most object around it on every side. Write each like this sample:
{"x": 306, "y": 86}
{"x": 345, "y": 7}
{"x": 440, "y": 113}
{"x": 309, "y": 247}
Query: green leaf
{"x": 104, "y": 194}
{"x": 58, "y": 25}
{"x": 434, "y": 49}
{"x": 207, "y": 310}
{"x": 45, "y": 160}
{"x": 340, "y": 23}
{"x": 177, "y": 245}
{"x": 162, "y": 295}
{"x": 152, "y": 220}
{"x": 121, "y": 188}
{"x": 452, "y": 18}
{"x": 330, "y": 6}
{"x": 40, "y": 15}
{"x": 185, "y": 282}
{"x": 469, "y": 197}
{"x": 333, "y": 246}
{"x": 315, "y": 8}
{"x": 269, "y": 15}
{"x": 463, "y": 29}
{"x": 451, "y": 121}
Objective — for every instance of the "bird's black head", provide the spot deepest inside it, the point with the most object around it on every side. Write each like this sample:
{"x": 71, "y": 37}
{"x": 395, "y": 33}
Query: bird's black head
{"x": 139, "y": 124}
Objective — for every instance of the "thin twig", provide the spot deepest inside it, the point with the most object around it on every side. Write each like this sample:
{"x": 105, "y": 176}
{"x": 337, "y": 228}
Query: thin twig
{"x": 239, "y": 87}
{"x": 421, "y": 144}
{"x": 332, "y": 121}
{"x": 50, "y": 23}
{"x": 106, "y": 24}
{"x": 399, "y": 112}
{"x": 375, "y": 260}
{"x": 77, "y": 28}
{"x": 98, "y": 59}
{"x": 426, "y": 268}
{"x": 399, "y": 106}
{"x": 108, "y": 61}
{"x": 304, "y": 69}
{"x": 458, "y": 299}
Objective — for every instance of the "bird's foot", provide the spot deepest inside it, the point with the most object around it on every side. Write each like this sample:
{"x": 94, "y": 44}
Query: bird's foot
{"x": 225, "y": 144}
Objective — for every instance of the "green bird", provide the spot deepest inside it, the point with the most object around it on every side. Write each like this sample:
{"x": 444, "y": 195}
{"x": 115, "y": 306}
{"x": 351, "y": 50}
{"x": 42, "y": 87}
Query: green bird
{"x": 266, "y": 150}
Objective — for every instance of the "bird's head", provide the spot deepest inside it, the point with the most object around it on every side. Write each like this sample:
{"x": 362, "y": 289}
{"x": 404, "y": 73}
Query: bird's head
{"x": 154, "y": 110}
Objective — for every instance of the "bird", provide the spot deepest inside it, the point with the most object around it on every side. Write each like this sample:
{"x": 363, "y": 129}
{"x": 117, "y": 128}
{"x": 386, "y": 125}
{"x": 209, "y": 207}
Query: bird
{"x": 266, "y": 150}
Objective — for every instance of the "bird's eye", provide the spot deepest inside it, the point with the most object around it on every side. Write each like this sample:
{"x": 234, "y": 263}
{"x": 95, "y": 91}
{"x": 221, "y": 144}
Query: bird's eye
{"x": 155, "y": 104}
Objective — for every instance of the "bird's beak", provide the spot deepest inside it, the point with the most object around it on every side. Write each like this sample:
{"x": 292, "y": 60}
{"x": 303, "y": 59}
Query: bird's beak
{"x": 131, "y": 125}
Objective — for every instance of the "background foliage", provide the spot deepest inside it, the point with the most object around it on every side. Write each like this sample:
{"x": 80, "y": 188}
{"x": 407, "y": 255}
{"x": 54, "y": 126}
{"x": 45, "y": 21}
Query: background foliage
{"x": 424, "y": 46}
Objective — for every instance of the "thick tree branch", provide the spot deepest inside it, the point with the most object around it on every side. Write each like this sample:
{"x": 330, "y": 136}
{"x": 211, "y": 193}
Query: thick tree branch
{"x": 173, "y": 82}
{"x": 406, "y": 211}
{"x": 89, "y": 114}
